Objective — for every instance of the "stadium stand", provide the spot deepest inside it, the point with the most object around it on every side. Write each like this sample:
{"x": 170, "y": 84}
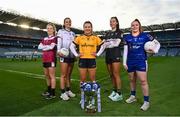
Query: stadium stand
{"x": 16, "y": 38}
{"x": 21, "y": 34}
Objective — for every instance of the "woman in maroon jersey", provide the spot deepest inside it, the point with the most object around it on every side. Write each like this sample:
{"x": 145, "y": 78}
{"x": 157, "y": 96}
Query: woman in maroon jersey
{"x": 48, "y": 47}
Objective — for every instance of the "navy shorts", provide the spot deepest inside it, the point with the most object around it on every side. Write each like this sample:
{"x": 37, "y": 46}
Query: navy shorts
{"x": 67, "y": 60}
{"x": 137, "y": 66}
{"x": 49, "y": 64}
{"x": 112, "y": 60}
{"x": 87, "y": 63}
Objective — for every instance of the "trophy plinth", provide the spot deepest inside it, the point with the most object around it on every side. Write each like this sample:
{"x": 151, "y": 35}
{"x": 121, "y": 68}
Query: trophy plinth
{"x": 90, "y": 109}
{"x": 90, "y": 97}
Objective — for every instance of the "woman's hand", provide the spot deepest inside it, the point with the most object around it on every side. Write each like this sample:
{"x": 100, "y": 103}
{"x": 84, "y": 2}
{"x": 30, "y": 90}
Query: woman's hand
{"x": 60, "y": 54}
{"x": 150, "y": 51}
{"x": 94, "y": 54}
{"x": 80, "y": 55}
{"x": 125, "y": 66}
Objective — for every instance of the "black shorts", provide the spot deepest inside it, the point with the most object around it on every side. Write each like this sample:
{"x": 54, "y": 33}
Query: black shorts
{"x": 87, "y": 63}
{"x": 49, "y": 64}
{"x": 112, "y": 60}
{"x": 67, "y": 60}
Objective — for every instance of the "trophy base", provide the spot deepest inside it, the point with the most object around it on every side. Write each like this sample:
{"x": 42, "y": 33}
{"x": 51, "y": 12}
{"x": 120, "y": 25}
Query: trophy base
{"x": 90, "y": 109}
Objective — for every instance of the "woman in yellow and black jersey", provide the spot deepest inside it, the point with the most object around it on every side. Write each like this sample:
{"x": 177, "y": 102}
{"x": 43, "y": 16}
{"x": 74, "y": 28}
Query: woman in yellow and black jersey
{"x": 87, "y": 45}
{"x": 113, "y": 55}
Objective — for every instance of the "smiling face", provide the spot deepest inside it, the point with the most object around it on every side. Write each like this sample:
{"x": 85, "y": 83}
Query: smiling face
{"x": 135, "y": 27}
{"x": 67, "y": 23}
{"x": 113, "y": 23}
{"x": 50, "y": 30}
{"x": 87, "y": 28}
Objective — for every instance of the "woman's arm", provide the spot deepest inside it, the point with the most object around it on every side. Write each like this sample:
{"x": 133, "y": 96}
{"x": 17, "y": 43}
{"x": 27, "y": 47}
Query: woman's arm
{"x": 157, "y": 46}
{"x": 125, "y": 56}
{"x": 73, "y": 49}
{"x": 49, "y": 47}
{"x": 41, "y": 46}
{"x": 113, "y": 43}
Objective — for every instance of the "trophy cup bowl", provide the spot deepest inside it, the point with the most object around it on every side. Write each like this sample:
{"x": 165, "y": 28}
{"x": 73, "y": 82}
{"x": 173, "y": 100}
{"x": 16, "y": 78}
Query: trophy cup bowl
{"x": 90, "y": 108}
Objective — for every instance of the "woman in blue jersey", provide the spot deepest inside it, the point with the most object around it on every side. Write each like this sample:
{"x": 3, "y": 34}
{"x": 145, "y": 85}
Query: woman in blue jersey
{"x": 65, "y": 38}
{"x": 135, "y": 61}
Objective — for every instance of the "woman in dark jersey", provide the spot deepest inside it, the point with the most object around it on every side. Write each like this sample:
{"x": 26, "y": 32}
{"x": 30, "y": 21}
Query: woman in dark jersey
{"x": 113, "y": 54}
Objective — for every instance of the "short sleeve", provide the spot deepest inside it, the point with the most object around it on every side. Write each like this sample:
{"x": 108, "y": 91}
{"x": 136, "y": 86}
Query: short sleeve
{"x": 73, "y": 34}
{"x": 149, "y": 37}
{"x": 54, "y": 40}
{"x": 77, "y": 40}
{"x": 120, "y": 35}
{"x": 98, "y": 41}
{"x": 59, "y": 34}
{"x": 123, "y": 41}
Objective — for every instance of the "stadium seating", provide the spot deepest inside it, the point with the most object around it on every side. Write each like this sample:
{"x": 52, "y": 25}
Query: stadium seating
{"x": 18, "y": 31}
{"x": 167, "y": 35}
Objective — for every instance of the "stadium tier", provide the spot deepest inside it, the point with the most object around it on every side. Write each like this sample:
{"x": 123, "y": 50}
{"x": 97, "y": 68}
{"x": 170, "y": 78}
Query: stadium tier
{"x": 14, "y": 37}
{"x": 19, "y": 33}
{"x": 8, "y": 30}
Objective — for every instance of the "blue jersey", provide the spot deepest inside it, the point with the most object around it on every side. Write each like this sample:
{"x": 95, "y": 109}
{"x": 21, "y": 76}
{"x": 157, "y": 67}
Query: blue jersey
{"x": 136, "y": 46}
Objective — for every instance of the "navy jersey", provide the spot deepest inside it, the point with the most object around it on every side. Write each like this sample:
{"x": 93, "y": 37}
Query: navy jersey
{"x": 136, "y": 46}
{"x": 113, "y": 52}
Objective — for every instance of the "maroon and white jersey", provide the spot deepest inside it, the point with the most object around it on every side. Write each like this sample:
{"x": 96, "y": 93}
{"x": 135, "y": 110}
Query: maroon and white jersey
{"x": 48, "y": 47}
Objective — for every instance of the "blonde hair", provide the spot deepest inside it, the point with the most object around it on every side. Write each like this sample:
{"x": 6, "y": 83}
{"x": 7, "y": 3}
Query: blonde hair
{"x": 54, "y": 27}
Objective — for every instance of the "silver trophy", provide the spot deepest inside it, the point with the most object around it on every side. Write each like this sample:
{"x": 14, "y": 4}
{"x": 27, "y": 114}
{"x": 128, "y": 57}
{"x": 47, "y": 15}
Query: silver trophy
{"x": 90, "y": 94}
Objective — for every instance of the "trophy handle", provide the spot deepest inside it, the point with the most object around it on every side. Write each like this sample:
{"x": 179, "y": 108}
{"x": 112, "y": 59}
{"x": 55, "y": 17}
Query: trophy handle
{"x": 82, "y": 99}
{"x": 99, "y": 100}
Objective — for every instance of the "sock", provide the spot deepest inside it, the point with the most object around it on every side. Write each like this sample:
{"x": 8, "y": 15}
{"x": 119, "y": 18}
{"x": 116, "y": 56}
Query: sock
{"x": 67, "y": 88}
{"x": 119, "y": 91}
{"x": 146, "y": 98}
{"x": 81, "y": 84}
{"x": 53, "y": 92}
{"x": 49, "y": 89}
{"x": 114, "y": 89}
{"x": 133, "y": 93}
{"x": 62, "y": 90}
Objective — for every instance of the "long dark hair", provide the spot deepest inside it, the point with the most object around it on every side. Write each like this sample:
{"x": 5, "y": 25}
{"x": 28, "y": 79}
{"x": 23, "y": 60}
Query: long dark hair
{"x": 65, "y": 20}
{"x": 117, "y": 26}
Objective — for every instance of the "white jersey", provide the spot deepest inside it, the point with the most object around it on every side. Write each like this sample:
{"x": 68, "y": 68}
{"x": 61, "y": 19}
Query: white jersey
{"x": 65, "y": 38}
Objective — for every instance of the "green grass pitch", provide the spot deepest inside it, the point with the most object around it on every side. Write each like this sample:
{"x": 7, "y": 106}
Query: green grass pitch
{"x": 21, "y": 84}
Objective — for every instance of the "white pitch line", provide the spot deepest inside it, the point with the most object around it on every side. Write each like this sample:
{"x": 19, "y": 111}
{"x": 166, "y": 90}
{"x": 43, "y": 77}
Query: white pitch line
{"x": 37, "y": 76}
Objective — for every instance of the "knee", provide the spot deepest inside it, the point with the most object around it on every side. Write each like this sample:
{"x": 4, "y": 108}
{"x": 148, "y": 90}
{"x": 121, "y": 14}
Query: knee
{"x": 115, "y": 73}
{"x": 46, "y": 74}
{"x": 132, "y": 78}
{"x": 52, "y": 76}
{"x": 144, "y": 82}
{"x": 63, "y": 76}
{"x": 53, "y": 79}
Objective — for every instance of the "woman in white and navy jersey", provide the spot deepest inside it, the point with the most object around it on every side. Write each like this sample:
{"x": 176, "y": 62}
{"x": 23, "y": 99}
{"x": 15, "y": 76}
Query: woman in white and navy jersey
{"x": 135, "y": 61}
{"x": 48, "y": 47}
{"x": 65, "y": 38}
{"x": 113, "y": 54}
